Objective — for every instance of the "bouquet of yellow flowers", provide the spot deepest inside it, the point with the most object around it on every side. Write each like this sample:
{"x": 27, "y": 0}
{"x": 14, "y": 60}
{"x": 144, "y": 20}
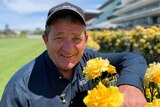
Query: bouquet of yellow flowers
{"x": 105, "y": 94}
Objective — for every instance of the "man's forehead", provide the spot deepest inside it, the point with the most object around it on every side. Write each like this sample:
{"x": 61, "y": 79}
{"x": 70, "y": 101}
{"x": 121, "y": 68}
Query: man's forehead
{"x": 61, "y": 31}
{"x": 67, "y": 26}
{"x": 68, "y": 30}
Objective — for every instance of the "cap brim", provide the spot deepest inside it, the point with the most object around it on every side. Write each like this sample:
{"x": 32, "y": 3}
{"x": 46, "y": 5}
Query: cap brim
{"x": 66, "y": 12}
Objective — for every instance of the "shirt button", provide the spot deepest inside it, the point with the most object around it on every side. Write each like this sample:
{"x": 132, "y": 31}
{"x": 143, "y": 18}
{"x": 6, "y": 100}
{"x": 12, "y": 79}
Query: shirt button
{"x": 71, "y": 102}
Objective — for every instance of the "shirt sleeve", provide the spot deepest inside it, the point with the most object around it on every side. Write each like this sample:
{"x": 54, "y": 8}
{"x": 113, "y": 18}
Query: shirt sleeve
{"x": 14, "y": 96}
{"x": 131, "y": 67}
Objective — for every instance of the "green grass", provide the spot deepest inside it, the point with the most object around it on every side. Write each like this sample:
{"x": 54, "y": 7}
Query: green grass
{"x": 14, "y": 53}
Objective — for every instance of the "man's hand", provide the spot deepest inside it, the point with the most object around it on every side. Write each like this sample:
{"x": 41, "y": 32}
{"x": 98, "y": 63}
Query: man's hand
{"x": 133, "y": 96}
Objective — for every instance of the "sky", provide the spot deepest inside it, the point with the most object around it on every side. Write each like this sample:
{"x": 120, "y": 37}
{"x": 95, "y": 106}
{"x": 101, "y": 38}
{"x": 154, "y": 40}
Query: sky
{"x": 32, "y": 14}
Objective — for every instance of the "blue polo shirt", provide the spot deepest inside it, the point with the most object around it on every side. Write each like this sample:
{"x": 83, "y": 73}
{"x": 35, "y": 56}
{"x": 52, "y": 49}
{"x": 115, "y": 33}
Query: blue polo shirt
{"x": 40, "y": 84}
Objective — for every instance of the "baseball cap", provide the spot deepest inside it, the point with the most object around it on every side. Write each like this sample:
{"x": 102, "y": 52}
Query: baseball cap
{"x": 65, "y": 8}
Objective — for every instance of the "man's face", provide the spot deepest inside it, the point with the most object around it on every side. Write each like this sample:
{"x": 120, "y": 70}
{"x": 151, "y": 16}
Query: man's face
{"x": 65, "y": 44}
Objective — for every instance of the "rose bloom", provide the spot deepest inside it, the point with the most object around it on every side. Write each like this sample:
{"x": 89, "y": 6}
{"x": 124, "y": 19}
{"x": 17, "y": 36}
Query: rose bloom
{"x": 153, "y": 73}
{"x": 104, "y": 97}
{"x": 155, "y": 103}
{"x": 95, "y": 67}
{"x": 111, "y": 69}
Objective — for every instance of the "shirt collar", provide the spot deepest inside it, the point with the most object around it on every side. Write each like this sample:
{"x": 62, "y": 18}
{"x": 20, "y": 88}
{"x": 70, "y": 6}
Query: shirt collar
{"x": 54, "y": 73}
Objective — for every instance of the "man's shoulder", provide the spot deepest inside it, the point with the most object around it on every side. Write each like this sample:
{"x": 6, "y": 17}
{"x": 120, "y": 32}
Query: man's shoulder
{"x": 23, "y": 74}
{"x": 89, "y": 52}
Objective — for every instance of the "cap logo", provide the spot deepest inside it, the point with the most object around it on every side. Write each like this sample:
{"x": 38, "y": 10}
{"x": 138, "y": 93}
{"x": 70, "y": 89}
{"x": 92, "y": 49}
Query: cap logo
{"x": 65, "y": 7}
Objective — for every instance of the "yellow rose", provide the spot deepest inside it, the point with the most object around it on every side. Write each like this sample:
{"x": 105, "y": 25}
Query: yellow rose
{"x": 104, "y": 97}
{"x": 153, "y": 73}
{"x": 142, "y": 40}
{"x": 111, "y": 69}
{"x": 95, "y": 67}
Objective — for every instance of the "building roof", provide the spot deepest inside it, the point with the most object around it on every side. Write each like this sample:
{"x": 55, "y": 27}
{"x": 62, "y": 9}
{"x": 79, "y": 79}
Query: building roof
{"x": 89, "y": 14}
{"x": 104, "y": 4}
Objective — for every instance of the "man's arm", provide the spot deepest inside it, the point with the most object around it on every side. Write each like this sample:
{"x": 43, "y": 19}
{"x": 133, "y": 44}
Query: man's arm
{"x": 133, "y": 96}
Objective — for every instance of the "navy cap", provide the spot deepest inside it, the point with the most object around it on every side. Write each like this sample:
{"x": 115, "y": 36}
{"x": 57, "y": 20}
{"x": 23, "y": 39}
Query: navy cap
{"x": 66, "y": 8}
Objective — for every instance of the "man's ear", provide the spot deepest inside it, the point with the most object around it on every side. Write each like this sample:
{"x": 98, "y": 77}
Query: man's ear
{"x": 45, "y": 39}
{"x": 86, "y": 37}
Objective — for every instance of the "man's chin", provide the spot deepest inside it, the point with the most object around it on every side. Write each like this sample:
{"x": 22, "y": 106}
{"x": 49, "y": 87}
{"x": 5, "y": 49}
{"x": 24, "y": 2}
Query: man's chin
{"x": 68, "y": 68}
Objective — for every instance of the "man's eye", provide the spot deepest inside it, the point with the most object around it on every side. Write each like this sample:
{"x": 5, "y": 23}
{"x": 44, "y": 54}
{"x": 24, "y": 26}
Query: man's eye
{"x": 58, "y": 38}
{"x": 77, "y": 38}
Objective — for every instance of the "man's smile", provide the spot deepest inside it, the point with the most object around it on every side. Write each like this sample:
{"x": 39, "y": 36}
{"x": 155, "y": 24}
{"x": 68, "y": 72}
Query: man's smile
{"x": 67, "y": 56}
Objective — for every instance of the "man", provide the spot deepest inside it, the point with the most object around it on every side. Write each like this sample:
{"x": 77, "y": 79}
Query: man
{"x": 54, "y": 79}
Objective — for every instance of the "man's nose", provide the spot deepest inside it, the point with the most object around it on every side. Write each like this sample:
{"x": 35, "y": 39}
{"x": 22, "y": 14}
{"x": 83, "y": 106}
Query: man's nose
{"x": 68, "y": 46}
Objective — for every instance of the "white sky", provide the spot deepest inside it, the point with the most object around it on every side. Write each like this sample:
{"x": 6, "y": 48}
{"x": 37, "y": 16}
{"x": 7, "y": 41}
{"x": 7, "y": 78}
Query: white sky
{"x": 30, "y": 14}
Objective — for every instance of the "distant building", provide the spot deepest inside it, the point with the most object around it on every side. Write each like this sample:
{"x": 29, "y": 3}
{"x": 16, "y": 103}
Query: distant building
{"x": 106, "y": 11}
{"x": 138, "y": 12}
{"x": 126, "y": 14}
{"x": 0, "y": 33}
{"x": 7, "y": 31}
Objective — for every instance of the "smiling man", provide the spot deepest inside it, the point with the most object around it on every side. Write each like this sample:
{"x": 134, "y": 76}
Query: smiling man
{"x": 55, "y": 79}
{"x": 66, "y": 43}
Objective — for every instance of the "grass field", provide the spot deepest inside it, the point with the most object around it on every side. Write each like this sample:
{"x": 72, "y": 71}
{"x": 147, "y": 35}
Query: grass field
{"x": 14, "y": 53}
